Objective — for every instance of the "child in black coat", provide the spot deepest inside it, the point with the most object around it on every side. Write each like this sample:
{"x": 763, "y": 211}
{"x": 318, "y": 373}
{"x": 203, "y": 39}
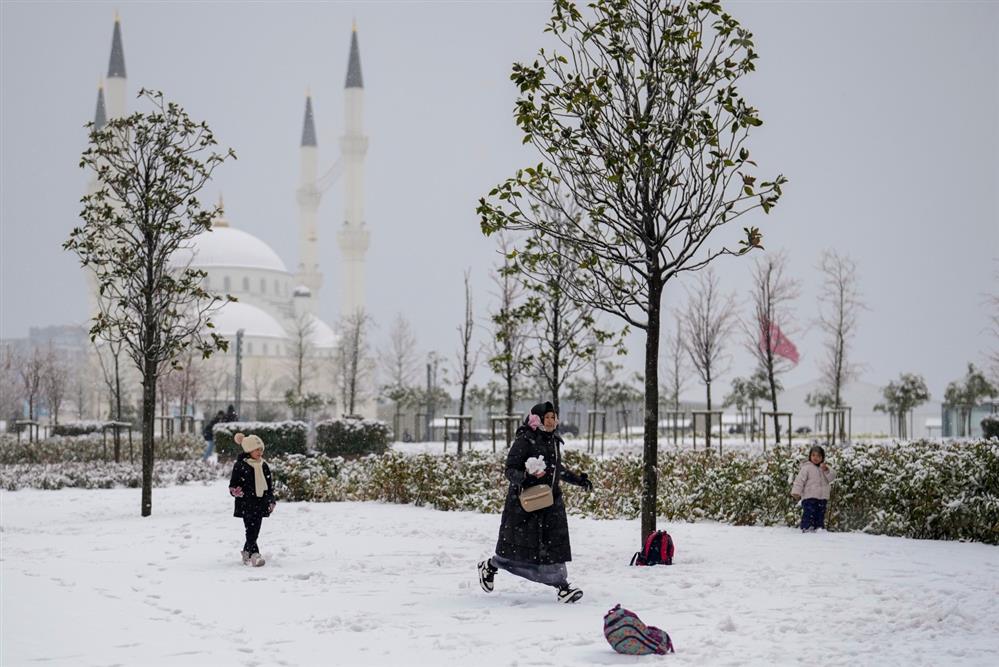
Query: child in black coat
{"x": 253, "y": 489}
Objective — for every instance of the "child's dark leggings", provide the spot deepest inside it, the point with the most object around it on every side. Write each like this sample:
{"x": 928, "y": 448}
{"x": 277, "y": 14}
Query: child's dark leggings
{"x": 252, "y": 524}
{"x": 813, "y": 513}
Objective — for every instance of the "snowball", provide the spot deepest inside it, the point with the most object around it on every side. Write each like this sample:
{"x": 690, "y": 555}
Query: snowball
{"x": 535, "y": 464}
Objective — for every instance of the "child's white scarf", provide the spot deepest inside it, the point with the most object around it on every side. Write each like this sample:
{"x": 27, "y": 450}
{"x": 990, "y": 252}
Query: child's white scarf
{"x": 258, "y": 474}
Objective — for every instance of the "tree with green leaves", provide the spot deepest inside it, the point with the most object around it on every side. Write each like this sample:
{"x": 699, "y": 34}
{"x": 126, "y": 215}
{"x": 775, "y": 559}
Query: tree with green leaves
{"x": 901, "y": 397}
{"x": 150, "y": 169}
{"x": 638, "y": 120}
{"x": 746, "y": 393}
{"x": 966, "y": 393}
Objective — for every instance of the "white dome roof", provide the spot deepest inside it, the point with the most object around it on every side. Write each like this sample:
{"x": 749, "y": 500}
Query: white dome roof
{"x": 255, "y": 322}
{"x": 227, "y": 246}
{"x": 323, "y": 336}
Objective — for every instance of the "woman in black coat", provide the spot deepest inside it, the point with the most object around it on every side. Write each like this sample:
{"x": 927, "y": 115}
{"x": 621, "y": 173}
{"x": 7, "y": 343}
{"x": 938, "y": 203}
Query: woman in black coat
{"x": 535, "y": 545}
{"x": 253, "y": 488}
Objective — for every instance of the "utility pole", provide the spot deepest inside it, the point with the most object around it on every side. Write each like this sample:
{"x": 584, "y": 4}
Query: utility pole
{"x": 239, "y": 370}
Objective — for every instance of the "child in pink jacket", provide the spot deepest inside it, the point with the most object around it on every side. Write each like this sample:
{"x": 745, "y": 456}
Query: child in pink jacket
{"x": 812, "y": 487}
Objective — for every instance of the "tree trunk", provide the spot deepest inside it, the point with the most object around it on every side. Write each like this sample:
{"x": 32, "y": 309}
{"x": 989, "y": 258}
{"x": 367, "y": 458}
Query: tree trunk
{"x": 773, "y": 401}
{"x": 461, "y": 422}
{"x": 117, "y": 411}
{"x": 650, "y": 450}
{"x": 148, "y": 422}
{"x": 707, "y": 420}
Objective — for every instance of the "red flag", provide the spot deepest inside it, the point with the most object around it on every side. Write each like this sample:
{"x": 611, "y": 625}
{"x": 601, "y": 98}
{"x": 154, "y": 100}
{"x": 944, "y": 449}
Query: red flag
{"x": 782, "y": 345}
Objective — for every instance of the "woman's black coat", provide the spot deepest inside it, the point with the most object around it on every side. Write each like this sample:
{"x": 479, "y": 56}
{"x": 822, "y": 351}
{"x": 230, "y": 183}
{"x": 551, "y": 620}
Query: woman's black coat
{"x": 542, "y": 536}
{"x": 251, "y": 504}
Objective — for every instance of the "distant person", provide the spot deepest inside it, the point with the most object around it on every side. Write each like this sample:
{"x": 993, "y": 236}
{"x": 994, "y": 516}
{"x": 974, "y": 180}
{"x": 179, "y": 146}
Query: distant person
{"x": 230, "y": 414}
{"x": 811, "y": 486}
{"x": 252, "y": 487}
{"x": 534, "y": 544}
{"x": 209, "y": 434}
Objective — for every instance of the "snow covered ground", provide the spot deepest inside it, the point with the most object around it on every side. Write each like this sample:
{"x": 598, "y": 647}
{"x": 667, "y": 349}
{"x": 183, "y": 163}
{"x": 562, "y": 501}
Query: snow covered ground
{"x": 86, "y": 581}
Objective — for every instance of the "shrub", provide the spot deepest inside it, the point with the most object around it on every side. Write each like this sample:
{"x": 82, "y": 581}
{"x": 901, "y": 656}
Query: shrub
{"x": 77, "y": 428}
{"x": 990, "y": 426}
{"x": 352, "y": 437}
{"x": 101, "y": 475}
{"x": 917, "y": 489}
{"x": 93, "y": 447}
{"x": 287, "y": 437}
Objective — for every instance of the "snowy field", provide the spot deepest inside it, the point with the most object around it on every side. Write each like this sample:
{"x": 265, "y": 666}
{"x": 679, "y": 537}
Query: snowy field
{"x": 85, "y": 581}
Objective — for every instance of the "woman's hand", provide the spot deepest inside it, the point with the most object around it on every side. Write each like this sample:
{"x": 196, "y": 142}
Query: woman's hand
{"x": 796, "y": 496}
{"x": 236, "y": 491}
{"x": 539, "y": 474}
{"x": 825, "y": 467}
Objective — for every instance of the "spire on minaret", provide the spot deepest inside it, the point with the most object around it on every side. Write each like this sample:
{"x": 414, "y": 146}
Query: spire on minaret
{"x": 116, "y": 66}
{"x": 309, "y": 124}
{"x": 354, "y": 79}
{"x": 100, "y": 115}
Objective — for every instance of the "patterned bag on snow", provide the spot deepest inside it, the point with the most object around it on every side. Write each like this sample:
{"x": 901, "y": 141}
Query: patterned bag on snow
{"x": 626, "y": 634}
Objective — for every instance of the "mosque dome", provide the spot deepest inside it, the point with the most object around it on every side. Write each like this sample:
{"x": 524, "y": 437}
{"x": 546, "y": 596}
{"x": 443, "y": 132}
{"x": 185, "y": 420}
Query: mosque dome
{"x": 236, "y": 315}
{"x": 227, "y": 246}
{"x": 323, "y": 336}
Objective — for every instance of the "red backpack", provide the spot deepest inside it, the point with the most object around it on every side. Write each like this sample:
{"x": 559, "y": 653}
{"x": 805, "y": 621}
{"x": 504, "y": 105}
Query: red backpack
{"x": 658, "y": 550}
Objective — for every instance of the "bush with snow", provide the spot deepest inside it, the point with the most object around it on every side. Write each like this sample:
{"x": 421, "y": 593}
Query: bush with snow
{"x": 352, "y": 437}
{"x": 285, "y": 437}
{"x": 102, "y": 475}
{"x": 68, "y": 449}
{"x": 917, "y": 489}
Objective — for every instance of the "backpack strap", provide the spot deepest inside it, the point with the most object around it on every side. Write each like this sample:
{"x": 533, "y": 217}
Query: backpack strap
{"x": 635, "y": 558}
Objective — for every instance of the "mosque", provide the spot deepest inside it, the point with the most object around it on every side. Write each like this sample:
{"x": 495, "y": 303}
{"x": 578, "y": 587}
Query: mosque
{"x": 275, "y": 307}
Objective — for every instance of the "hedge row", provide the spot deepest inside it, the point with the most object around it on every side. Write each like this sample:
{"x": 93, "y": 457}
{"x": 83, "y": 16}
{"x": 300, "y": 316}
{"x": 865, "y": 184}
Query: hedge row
{"x": 287, "y": 437}
{"x": 100, "y": 475}
{"x": 917, "y": 489}
{"x": 335, "y": 437}
{"x": 57, "y": 449}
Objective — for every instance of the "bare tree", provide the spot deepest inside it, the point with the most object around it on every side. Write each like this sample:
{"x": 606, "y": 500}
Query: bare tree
{"x": 150, "y": 169}
{"x": 10, "y": 383}
{"x": 771, "y": 322}
{"x": 400, "y": 366}
{"x": 636, "y": 114}
{"x": 55, "y": 380}
{"x": 509, "y": 357}
{"x": 675, "y": 372}
{"x": 840, "y": 304}
{"x": 708, "y": 322}
{"x": 354, "y": 367}
{"x": 261, "y": 382}
{"x": 31, "y": 371}
{"x": 467, "y": 358}
{"x": 302, "y": 352}
{"x": 992, "y": 303}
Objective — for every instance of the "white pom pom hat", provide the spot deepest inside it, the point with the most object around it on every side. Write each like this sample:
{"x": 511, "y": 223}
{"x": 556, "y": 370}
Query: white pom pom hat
{"x": 249, "y": 443}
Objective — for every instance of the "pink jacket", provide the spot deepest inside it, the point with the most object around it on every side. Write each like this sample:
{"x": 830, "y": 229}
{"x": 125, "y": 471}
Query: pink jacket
{"x": 811, "y": 482}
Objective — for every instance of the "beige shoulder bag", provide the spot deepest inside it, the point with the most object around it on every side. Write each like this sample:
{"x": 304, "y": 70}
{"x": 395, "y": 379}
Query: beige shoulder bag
{"x": 540, "y": 496}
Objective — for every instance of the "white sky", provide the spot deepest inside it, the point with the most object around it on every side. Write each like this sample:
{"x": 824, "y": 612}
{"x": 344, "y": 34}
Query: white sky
{"x": 885, "y": 117}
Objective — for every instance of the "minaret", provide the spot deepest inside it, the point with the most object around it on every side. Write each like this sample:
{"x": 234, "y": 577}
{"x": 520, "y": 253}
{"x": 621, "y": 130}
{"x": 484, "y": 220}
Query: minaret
{"x": 116, "y": 74}
{"x": 353, "y": 236}
{"x": 308, "y": 206}
{"x": 100, "y": 120}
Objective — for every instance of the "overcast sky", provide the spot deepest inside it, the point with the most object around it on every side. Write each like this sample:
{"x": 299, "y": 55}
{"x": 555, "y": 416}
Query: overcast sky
{"x": 884, "y": 116}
